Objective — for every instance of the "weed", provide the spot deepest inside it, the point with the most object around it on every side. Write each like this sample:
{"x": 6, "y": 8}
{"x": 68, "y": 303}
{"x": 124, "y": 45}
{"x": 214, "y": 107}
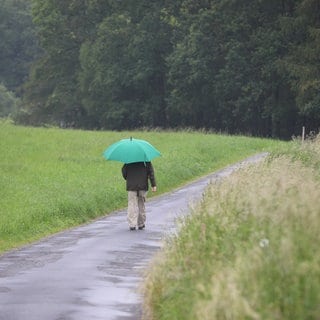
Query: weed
{"x": 250, "y": 250}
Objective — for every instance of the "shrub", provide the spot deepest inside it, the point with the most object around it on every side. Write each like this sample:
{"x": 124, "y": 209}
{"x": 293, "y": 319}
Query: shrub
{"x": 8, "y": 102}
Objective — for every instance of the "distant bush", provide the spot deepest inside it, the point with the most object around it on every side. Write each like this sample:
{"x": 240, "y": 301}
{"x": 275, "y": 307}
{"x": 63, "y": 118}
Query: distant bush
{"x": 8, "y": 102}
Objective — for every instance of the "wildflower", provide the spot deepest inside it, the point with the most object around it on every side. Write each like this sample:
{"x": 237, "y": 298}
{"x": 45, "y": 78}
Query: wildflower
{"x": 264, "y": 243}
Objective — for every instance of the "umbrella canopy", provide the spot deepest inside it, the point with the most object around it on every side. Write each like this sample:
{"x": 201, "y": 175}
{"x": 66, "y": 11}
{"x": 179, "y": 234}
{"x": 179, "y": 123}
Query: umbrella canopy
{"x": 131, "y": 150}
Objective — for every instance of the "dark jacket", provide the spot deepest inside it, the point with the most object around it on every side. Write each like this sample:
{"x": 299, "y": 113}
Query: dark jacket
{"x": 137, "y": 174}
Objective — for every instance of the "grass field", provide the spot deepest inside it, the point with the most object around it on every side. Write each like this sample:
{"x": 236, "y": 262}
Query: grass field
{"x": 53, "y": 179}
{"x": 251, "y": 248}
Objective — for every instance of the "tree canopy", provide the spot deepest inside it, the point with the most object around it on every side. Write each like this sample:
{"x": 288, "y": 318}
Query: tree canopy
{"x": 236, "y": 66}
{"x": 19, "y": 47}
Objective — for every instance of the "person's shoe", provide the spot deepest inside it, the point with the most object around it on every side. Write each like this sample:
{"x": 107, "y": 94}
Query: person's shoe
{"x": 141, "y": 227}
{"x": 132, "y": 228}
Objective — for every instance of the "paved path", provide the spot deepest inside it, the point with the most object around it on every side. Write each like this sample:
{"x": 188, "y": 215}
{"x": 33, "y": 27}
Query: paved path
{"x": 92, "y": 272}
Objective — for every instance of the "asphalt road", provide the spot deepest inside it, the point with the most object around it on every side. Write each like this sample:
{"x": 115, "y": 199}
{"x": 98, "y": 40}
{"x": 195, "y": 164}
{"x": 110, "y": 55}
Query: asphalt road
{"x": 93, "y": 272}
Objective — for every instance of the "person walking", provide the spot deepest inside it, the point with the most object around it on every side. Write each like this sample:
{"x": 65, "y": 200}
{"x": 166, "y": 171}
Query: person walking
{"x": 137, "y": 176}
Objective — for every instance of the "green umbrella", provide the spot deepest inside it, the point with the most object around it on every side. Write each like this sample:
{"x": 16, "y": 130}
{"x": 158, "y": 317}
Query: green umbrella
{"x": 131, "y": 150}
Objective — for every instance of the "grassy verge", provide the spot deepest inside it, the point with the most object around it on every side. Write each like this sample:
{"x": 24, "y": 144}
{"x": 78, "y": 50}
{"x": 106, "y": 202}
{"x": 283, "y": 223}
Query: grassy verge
{"x": 53, "y": 179}
{"x": 250, "y": 250}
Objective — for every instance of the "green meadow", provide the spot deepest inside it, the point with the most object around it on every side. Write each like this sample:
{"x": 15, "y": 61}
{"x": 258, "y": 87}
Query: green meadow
{"x": 250, "y": 250}
{"x": 54, "y": 179}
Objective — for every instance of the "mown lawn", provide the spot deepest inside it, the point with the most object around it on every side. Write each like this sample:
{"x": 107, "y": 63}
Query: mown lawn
{"x": 53, "y": 179}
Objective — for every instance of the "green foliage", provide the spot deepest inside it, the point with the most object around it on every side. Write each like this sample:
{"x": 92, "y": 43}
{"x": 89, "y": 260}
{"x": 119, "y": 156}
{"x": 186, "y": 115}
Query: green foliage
{"x": 106, "y": 75}
{"x": 224, "y": 72}
{"x": 225, "y": 65}
{"x": 9, "y": 103}
{"x": 249, "y": 250}
{"x": 19, "y": 45}
{"x": 123, "y": 68}
{"x": 52, "y": 179}
{"x": 302, "y": 62}
{"x": 52, "y": 92}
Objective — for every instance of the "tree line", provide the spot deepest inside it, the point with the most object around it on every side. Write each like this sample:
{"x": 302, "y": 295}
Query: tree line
{"x": 238, "y": 66}
{"x": 18, "y": 50}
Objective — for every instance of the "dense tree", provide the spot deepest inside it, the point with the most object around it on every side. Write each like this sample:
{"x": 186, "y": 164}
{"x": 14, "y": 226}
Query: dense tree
{"x": 52, "y": 93}
{"x": 18, "y": 43}
{"x": 124, "y": 69}
{"x": 237, "y": 66}
{"x": 105, "y": 79}
{"x": 227, "y": 60}
{"x": 303, "y": 61}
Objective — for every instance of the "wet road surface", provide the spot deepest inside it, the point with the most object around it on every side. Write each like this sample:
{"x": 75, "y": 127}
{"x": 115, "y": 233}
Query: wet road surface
{"x": 93, "y": 271}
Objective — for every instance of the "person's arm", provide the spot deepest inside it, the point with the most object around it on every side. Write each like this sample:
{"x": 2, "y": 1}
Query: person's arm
{"x": 151, "y": 176}
{"x": 124, "y": 171}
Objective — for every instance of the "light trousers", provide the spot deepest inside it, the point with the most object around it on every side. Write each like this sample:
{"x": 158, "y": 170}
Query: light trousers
{"x": 136, "y": 209}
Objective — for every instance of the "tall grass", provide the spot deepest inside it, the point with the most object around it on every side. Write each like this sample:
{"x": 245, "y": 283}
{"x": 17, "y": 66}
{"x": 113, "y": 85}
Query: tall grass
{"x": 52, "y": 179}
{"x": 250, "y": 250}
